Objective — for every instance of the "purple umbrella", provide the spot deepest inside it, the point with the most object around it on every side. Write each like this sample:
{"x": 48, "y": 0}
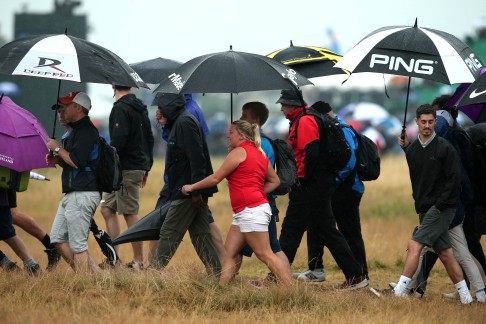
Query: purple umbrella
{"x": 23, "y": 140}
{"x": 476, "y": 112}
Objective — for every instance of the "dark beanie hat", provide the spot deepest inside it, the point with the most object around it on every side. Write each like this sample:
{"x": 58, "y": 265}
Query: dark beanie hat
{"x": 322, "y": 107}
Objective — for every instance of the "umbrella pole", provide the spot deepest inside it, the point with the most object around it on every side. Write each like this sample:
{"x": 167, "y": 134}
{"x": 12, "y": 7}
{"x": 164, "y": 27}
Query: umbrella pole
{"x": 406, "y": 108}
{"x": 231, "y": 107}
{"x": 55, "y": 112}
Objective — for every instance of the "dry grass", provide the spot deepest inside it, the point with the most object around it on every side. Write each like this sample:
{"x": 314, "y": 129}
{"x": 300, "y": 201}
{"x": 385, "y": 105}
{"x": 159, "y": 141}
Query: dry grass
{"x": 182, "y": 293}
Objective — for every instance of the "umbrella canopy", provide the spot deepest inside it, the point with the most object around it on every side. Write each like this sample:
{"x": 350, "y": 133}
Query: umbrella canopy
{"x": 475, "y": 108}
{"x": 475, "y": 93}
{"x": 23, "y": 140}
{"x": 231, "y": 72}
{"x": 364, "y": 111}
{"x": 414, "y": 52}
{"x": 145, "y": 229}
{"x": 310, "y": 61}
{"x": 155, "y": 70}
{"x": 65, "y": 57}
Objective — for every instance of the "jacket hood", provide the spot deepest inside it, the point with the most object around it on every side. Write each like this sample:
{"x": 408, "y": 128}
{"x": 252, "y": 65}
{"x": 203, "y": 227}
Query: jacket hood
{"x": 170, "y": 105}
{"x": 133, "y": 101}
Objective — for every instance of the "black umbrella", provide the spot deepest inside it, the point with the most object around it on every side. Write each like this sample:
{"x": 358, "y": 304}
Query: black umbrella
{"x": 155, "y": 70}
{"x": 231, "y": 72}
{"x": 65, "y": 57}
{"x": 414, "y": 52}
{"x": 146, "y": 228}
{"x": 310, "y": 61}
{"x": 105, "y": 243}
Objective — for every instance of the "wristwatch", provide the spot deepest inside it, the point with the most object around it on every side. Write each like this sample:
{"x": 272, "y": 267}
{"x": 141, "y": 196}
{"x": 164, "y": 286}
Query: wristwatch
{"x": 57, "y": 149}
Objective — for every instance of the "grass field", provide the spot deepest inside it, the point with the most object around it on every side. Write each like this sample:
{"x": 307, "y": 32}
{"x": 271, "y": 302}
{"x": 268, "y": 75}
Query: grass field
{"x": 181, "y": 293}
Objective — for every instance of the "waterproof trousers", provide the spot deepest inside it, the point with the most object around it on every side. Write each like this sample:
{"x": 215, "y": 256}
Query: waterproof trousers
{"x": 308, "y": 208}
{"x": 181, "y": 217}
{"x": 345, "y": 207}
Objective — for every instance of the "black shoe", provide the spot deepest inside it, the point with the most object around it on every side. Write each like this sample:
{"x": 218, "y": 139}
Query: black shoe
{"x": 34, "y": 270}
{"x": 11, "y": 267}
{"x": 53, "y": 257}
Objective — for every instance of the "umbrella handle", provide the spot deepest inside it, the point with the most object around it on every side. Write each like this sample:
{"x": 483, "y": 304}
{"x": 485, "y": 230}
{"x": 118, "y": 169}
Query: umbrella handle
{"x": 406, "y": 108}
{"x": 51, "y": 153}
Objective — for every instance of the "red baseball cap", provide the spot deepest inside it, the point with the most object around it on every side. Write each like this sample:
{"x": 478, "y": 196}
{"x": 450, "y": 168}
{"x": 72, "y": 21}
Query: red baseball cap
{"x": 80, "y": 98}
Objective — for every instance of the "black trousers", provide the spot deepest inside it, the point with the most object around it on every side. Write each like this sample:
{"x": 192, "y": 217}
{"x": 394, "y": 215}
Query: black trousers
{"x": 345, "y": 206}
{"x": 310, "y": 207}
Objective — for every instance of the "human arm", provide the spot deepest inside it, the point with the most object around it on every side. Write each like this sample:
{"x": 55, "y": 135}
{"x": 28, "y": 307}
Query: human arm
{"x": 233, "y": 159}
{"x": 62, "y": 154}
{"x": 271, "y": 180}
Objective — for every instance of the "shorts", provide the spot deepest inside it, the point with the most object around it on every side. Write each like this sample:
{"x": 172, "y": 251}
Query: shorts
{"x": 255, "y": 219}
{"x": 433, "y": 230}
{"x": 73, "y": 219}
{"x": 272, "y": 232}
{"x": 126, "y": 200}
{"x": 6, "y": 225}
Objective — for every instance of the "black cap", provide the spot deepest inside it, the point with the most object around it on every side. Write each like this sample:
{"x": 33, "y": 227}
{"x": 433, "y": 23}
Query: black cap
{"x": 322, "y": 107}
{"x": 291, "y": 98}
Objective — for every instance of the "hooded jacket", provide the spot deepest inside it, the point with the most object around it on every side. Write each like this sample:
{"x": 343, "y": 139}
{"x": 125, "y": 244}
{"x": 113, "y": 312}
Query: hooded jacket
{"x": 131, "y": 133}
{"x": 188, "y": 158}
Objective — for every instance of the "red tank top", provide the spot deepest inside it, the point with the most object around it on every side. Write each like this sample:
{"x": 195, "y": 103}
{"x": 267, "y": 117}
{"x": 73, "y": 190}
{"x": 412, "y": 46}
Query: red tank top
{"x": 247, "y": 180}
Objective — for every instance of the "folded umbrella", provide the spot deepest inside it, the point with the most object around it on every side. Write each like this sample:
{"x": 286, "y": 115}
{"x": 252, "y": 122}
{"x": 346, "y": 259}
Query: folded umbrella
{"x": 146, "y": 228}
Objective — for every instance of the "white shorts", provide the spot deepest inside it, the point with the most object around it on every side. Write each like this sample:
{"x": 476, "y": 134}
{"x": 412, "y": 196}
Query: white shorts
{"x": 254, "y": 219}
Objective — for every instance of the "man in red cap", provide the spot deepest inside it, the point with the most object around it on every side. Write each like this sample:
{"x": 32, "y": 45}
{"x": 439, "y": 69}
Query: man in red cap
{"x": 70, "y": 229}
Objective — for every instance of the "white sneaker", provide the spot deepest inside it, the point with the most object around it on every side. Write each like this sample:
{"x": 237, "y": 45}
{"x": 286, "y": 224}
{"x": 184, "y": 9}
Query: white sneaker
{"x": 316, "y": 275}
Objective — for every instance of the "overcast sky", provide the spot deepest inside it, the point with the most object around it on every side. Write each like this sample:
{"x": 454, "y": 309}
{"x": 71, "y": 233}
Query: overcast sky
{"x": 183, "y": 29}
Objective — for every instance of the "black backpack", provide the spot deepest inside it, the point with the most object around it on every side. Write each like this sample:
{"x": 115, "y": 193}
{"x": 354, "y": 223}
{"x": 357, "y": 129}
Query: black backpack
{"x": 367, "y": 158}
{"x": 107, "y": 169}
{"x": 285, "y": 165}
{"x": 335, "y": 150}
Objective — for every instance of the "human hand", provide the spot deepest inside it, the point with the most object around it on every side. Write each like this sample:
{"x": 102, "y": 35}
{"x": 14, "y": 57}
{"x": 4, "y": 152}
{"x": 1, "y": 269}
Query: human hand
{"x": 144, "y": 181}
{"x": 186, "y": 190}
{"x": 52, "y": 144}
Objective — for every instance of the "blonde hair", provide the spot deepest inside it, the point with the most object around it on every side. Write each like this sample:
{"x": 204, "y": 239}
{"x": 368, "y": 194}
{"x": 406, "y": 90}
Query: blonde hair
{"x": 251, "y": 132}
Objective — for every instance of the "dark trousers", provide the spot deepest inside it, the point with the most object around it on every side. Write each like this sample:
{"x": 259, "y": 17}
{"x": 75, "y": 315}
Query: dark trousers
{"x": 345, "y": 206}
{"x": 308, "y": 208}
{"x": 473, "y": 238}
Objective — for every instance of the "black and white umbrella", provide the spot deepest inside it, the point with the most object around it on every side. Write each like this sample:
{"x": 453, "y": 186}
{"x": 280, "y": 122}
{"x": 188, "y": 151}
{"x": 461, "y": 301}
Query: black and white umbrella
{"x": 68, "y": 58}
{"x": 231, "y": 72}
{"x": 155, "y": 70}
{"x": 65, "y": 57}
{"x": 414, "y": 52}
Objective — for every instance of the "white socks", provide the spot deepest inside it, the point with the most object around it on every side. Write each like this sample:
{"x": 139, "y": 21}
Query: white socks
{"x": 401, "y": 289}
{"x": 464, "y": 293}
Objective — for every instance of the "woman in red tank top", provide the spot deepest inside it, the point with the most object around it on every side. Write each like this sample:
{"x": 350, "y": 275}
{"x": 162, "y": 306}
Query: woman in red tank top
{"x": 250, "y": 177}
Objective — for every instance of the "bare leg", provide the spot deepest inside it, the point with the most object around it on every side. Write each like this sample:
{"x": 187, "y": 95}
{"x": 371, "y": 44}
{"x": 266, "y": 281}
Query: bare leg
{"x": 136, "y": 246}
{"x": 28, "y": 224}
{"x": 112, "y": 224}
{"x": 19, "y": 247}
{"x": 66, "y": 253}
{"x": 152, "y": 246}
{"x": 233, "y": 245}
{"x": 260, "y": 244}
{"x": 451, "y": 265}
{"x": 413, "y": 256}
